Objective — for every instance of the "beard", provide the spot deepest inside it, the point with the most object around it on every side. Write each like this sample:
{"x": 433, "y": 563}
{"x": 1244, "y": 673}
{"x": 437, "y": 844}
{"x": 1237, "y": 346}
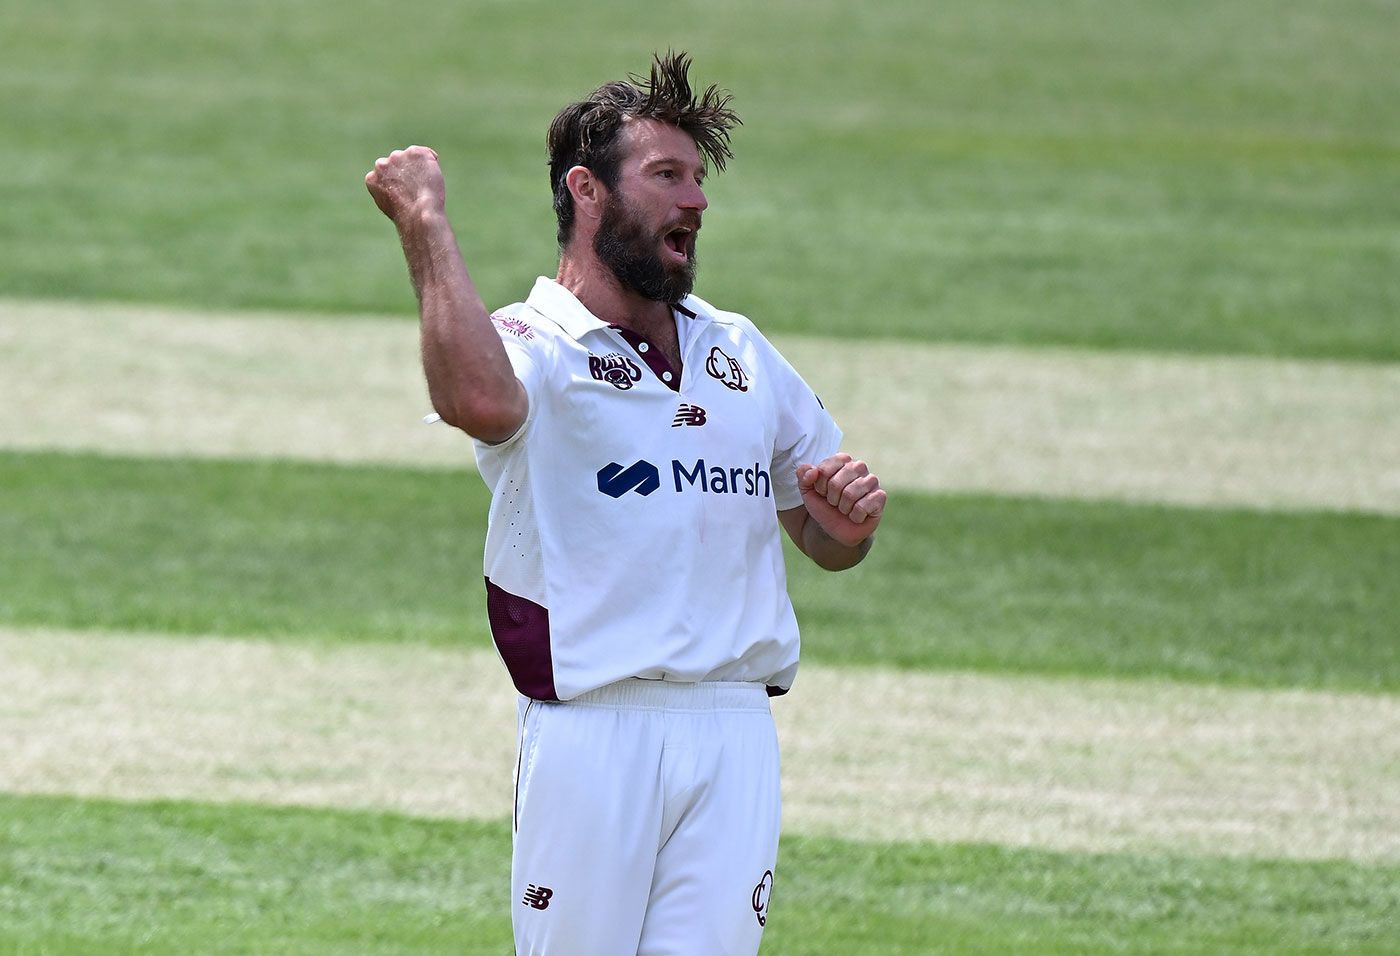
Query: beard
{"x": 625, "y": 245}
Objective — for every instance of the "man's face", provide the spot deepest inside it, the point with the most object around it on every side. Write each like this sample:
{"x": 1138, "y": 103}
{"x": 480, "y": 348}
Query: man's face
{"x": 647, "y": 232}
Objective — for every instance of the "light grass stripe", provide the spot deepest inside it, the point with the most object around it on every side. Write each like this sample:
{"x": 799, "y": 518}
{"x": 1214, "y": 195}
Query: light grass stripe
{"x": 1192, "y": 430}
{"x": 1070, "y": 764}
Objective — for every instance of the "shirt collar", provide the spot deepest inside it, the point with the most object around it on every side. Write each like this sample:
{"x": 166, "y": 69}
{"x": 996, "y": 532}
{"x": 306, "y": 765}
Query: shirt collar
{"x": 562, "y": 307}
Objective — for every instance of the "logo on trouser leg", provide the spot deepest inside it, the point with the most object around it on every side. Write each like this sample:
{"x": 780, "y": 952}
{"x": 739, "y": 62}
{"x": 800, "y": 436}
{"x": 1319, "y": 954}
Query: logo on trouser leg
{"x": 761, "y": 892}
{"x": 537, "y": 896}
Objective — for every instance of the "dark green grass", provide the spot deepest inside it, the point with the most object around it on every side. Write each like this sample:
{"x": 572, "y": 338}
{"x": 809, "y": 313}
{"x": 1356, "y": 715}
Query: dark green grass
{"x": 88, "y": 876}
{"x": 1199, "y": 175}
{"x": 335, "y": 553}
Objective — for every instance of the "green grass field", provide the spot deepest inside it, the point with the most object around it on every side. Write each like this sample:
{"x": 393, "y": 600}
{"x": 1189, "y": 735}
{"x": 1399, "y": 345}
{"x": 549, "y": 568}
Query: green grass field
{"x": 158, "y": 878}
{"x": 1152, "y": 691}
{"x": 1191, "y": 176}
{"x": 1000, "y": 584}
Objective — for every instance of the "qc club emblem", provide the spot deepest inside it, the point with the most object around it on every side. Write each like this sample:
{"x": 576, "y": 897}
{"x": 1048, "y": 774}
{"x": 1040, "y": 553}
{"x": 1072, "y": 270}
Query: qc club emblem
{"x": 726, "y": 368}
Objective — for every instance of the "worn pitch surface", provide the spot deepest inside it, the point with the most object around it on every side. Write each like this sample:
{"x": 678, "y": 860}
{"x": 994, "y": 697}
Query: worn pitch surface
{"x": 874, "y": 754}
{"x": 1196, "y": 430}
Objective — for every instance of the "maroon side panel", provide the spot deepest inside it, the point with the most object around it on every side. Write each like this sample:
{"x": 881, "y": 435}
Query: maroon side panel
{"x": 520, "y": 628}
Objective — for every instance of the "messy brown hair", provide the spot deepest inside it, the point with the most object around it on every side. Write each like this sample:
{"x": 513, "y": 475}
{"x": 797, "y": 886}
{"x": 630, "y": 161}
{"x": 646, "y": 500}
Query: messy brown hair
{"x": 589, "y": 133}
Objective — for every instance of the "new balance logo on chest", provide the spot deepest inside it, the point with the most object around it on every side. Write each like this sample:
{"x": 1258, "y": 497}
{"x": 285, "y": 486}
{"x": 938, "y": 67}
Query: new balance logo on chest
{"x": 688, "y": 414}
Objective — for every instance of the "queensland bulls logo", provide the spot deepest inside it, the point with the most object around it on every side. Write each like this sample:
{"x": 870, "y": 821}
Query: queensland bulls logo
{"x": 727, "y": 370}
{"x": 617, "y": 370}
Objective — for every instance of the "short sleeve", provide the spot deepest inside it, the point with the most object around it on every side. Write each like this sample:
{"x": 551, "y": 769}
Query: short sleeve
{"x": 526, "y": 347}
{"x": 806, "y": 434}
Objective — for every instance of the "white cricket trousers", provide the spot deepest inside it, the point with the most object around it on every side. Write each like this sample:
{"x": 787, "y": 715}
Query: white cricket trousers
{"x": 646, "y": 821}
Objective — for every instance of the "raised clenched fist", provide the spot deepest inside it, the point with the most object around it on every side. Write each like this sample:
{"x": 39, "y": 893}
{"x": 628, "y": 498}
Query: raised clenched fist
{"x": 407, "y": 181}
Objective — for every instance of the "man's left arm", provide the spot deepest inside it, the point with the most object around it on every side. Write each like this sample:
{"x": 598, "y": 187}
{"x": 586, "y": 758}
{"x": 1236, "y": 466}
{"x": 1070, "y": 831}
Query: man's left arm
{"x": 842, "y": 503}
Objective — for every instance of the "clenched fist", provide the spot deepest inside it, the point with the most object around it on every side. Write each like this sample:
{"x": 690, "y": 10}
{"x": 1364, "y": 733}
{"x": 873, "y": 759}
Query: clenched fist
{"x": 407, "y": 181}
{"x": 844, "y": 496}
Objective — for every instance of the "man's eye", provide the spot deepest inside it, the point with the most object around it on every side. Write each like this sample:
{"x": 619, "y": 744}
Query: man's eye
{"x": 667, "y": 174}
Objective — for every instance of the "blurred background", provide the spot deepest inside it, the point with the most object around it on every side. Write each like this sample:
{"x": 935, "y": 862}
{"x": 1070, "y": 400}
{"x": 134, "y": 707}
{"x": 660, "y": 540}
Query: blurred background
{"x": 1193, "y": 176}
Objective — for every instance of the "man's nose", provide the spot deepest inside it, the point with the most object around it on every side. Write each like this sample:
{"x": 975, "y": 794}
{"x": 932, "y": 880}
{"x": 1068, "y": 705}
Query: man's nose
{"x": 694, "y": 198}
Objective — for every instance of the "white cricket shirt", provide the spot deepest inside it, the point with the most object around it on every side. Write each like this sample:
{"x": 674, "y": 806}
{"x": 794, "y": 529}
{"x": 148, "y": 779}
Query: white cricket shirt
{"x": 633, "y": 528}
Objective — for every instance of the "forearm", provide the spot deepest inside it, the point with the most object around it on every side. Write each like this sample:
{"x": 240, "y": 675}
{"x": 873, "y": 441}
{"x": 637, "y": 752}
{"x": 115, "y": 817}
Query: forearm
{"x": 826, "y": 552}
{"x": 470, "y": 379}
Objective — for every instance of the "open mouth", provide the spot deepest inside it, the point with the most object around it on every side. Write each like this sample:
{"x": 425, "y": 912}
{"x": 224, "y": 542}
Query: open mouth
{"x": 680, "y": 242}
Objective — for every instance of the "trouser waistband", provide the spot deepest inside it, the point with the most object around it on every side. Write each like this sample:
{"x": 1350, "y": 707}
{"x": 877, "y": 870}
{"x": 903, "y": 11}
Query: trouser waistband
{"x": 637, "y": 694}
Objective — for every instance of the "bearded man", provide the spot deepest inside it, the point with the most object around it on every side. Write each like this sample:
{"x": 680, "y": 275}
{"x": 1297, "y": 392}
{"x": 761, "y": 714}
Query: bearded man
{"x": 643, "y": 448}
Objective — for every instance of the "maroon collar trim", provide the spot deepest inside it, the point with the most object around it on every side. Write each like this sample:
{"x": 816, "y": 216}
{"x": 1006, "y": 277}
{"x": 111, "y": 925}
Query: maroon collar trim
{"x": 652, "y": 356}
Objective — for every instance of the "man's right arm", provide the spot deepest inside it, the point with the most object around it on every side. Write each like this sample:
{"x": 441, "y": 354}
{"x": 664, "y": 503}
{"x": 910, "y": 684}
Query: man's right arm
{"x": 470, "y": 379}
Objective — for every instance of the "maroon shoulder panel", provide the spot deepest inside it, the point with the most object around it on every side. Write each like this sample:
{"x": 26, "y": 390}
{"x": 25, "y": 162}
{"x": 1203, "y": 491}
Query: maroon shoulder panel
{"x": 520, "y": 628}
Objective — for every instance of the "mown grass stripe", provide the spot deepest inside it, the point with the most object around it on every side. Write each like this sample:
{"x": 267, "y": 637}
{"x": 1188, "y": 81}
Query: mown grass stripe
{"x": 868, "y": 753}
{"x": 1205, "y": 430}
{"x": 1130, "y": 176}
{"x": 342, "y": 554}
{"x": 77, "y": 876}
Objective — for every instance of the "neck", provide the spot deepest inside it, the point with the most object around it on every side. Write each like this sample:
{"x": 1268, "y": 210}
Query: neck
{"x": 594, "y": 285}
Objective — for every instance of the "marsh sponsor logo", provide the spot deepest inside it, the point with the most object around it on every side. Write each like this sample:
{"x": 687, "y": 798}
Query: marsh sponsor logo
{"x": 643, "y": 478}
{"x": 717, "y": 480}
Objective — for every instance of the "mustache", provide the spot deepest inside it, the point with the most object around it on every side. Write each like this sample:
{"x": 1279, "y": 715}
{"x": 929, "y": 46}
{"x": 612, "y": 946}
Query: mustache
{"x": 689, "y": 221}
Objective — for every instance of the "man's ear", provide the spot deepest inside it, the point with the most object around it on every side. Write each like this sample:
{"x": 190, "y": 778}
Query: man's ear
{"x": 588, "y": 191}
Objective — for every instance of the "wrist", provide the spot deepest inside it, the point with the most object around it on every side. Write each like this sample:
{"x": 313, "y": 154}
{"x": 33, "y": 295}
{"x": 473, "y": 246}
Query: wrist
{"x": 829, "y": 551}
{"x": 425, "y": 215}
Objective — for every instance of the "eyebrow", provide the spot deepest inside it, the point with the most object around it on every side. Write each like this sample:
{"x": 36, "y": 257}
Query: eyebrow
{"x": 673, "y": 161}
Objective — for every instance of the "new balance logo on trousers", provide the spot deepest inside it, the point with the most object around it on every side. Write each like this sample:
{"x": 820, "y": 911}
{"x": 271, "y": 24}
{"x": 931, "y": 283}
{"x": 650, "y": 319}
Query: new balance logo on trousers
{"x": 537, "y": 896}
{"x": 679, "y": 783}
